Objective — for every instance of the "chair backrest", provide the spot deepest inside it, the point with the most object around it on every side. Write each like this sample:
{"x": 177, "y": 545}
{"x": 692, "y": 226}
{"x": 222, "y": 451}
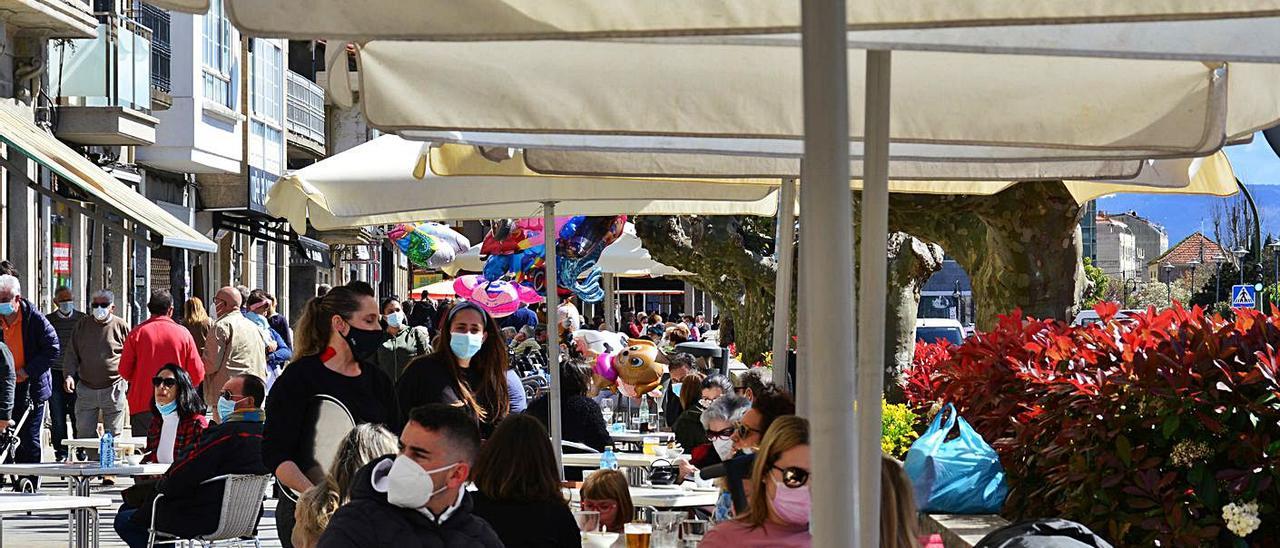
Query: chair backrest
{"x": 241, "y": 506}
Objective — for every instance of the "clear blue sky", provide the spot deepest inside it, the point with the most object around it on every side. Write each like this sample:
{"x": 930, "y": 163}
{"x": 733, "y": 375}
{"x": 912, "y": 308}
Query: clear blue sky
{"x": 1255, "y": 163}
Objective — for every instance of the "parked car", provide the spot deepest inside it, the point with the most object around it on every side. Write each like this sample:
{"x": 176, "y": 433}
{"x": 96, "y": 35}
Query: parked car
{"x": 1086, "y": 317}
{"x": 932, "y": 329}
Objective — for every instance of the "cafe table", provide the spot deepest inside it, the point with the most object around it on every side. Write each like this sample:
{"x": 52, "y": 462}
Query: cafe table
{"x": 79, "y": 475}
{"x": 81, "y": 511}
{"x": 669, "y": 497}
{"x": 592, "y": 460}
{"x": 136, "y": 442}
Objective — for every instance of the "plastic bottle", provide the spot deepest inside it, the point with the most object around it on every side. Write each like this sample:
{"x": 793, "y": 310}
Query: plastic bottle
{"x": 106, "y": 451}
{"x": 644, "y": 414}
{"x": 608, "y": 461}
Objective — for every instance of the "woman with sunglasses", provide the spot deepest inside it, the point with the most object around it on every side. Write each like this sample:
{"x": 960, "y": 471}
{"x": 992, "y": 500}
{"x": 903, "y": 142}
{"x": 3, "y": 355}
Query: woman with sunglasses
{"x": 177, "y": 416}
{"x": 778, "y": 514}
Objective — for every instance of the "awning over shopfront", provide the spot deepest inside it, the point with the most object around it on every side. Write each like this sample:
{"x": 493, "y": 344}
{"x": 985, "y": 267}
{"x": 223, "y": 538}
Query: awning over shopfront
{"x": 24, "y": 137}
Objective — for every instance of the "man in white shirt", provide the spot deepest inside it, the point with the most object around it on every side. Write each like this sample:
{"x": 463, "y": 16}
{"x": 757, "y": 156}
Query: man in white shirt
{"x": 569, "y": 319}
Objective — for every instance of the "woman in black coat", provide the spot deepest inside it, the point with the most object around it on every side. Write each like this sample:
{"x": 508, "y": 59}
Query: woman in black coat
{"x": 520, "y": 497}
{"x": 581, "y": 420}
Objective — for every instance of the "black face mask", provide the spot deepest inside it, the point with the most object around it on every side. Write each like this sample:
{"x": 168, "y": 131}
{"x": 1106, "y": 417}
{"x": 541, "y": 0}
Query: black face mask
{"x": 364, "y": 343}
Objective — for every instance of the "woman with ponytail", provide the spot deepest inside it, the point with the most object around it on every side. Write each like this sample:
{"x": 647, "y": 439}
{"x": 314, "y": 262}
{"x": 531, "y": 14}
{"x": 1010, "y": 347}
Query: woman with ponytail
{"x": 468, "y": 367}
{"x": 337, "y": 338}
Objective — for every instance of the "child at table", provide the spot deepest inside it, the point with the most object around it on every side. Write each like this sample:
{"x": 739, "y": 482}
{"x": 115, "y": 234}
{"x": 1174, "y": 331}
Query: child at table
{"x": 607, "y": 492}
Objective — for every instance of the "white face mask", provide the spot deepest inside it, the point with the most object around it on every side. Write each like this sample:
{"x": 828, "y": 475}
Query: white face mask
{"x": 101, "y": 314}
{"x": 723, "y": 447}
{"x": 409, "y": 485}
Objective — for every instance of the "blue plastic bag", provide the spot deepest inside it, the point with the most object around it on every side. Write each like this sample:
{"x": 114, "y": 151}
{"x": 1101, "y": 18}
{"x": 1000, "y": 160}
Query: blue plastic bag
{"x": 957, "y": 476}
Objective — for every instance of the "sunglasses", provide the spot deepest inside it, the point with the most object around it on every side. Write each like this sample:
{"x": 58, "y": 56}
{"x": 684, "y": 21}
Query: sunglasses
{"x": 720, "y": 434}
{"x": 168, "y": 382}
{"x": 744, "y": 431}
{"x": 228, "y": 395}
{"x": 793, "y": 477}
{"x": 101, "y": 305}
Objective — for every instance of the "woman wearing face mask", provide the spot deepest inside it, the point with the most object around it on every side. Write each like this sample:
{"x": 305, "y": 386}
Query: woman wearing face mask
{"x": 688, "y": 425}
{"x": 403, "y": 343}
{"x": 177, "y": 416}
{"x": 779, "y": 509}
{"x": 337, "y": 338}
{"x": 468, "y": 368}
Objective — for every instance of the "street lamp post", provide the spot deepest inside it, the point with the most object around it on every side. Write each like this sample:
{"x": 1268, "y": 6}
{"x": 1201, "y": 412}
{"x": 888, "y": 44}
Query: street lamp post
{"x": 1168, "y": 282}
{"x": 1217, "y": 287}
{"x": 1240, "y": 254}
{"x": 1275, "y": 255}
{"x": 1193, "y": 263}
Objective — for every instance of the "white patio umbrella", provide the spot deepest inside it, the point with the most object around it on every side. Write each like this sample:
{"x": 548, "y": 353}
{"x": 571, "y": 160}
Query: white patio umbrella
{"x": 826, "y": 130}
{"x": 626, "y": 257}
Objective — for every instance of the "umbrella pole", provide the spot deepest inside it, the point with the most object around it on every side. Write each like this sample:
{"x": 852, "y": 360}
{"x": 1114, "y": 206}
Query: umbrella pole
{"x": 610, "y": 304}
{"x": 549, "y": 235}
{"x": 784, "y": 250}
{"x": 827, "y": 277}
{"x": 871, "y": 300}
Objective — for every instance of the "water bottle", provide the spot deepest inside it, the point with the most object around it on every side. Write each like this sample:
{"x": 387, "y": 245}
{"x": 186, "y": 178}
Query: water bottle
{"x": 106, "y": 451}
{"x": 608, "y": 461}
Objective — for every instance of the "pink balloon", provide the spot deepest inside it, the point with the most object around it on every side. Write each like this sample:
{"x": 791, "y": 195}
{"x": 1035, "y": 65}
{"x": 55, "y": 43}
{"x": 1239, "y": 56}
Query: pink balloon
{"x": 499, "y": 298}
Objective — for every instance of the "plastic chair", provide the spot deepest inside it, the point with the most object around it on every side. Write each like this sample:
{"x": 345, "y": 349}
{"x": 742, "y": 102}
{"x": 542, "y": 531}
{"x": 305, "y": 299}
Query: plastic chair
{"x": 241, "y": 508}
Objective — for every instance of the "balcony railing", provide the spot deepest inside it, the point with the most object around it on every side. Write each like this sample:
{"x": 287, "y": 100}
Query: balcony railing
{"x": 306, "y": 108}
{"x": 113, "y": 69}
{"x": 157, "y": 20}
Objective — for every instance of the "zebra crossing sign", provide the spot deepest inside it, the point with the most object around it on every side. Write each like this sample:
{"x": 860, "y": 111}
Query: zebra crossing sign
{"x": 1244, "y": 296}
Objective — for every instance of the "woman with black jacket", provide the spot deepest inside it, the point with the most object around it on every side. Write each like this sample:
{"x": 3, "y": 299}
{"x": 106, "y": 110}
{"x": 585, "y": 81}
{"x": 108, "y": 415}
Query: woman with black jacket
{"x": 468, "y": 367}
{"x": 580, "y": 418}
{"x": 521, "y": 497}
{"x": 337, "y": 337}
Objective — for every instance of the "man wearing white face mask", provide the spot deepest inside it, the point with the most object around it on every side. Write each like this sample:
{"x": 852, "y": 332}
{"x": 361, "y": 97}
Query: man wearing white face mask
{"x": 419, "y": 497}
{"x": 92, "y": 362}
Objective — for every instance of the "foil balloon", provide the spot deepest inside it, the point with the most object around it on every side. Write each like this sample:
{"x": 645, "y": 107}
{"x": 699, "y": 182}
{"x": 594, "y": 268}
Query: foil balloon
{"x": 499, "y": 298}
{"x": 429, "y": 245}
{"x": 585, "y": 236}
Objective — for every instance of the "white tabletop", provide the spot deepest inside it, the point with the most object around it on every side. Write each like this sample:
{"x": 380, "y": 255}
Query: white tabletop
{"x": 81, "y": 469}
{"x": 94, "y": 443}
{"x": 592, "y": 460}
{"x": 30, "y": 502}
{"x": 632, "y": 436}
{"x": 667, "y": 498}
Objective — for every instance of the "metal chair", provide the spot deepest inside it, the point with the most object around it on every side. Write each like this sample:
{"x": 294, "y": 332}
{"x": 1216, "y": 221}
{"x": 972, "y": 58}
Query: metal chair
{"x": 241, "y": 508}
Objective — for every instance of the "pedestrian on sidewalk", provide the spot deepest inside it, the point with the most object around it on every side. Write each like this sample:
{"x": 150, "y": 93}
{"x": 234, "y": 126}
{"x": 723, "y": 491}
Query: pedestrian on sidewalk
{"x": 35, "y": 348}
{"x": 62, "y": 402}
{"x": 93, "y": 368}
{"x": 151, "y": 345}
{"x": 197, "y": 321}
{"x": 236, "y": 345}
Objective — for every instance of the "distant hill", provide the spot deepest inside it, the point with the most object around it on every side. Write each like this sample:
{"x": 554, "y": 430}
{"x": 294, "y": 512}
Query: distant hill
{"x": 1182, "y": 215}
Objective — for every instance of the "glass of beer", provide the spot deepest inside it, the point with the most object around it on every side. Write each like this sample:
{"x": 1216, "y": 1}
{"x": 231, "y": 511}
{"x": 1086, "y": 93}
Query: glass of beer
{"x": 638, "y": 534}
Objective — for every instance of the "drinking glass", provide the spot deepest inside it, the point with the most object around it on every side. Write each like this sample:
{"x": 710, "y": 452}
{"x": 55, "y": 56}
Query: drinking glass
{"x": 606, "y": 409}
{"x": 638, "y": 534}
{"x": 692, "y": 530}
{"x": 666, "y": 529}
{"x": 588, "y": 520}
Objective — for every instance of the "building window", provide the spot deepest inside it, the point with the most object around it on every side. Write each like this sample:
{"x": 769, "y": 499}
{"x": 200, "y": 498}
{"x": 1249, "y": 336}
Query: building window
{"x": 268, "y": 81}
{"x": 217, "y": 56}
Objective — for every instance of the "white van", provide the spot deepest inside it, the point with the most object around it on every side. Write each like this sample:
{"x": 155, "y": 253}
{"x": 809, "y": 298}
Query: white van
{"x": 932, "y": 329}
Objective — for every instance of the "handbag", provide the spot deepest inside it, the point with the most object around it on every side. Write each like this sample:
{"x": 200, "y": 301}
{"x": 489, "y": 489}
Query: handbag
{"x": 955, "y": 476}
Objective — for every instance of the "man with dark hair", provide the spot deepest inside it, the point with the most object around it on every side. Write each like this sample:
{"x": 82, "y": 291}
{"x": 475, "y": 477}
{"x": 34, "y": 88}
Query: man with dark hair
{"x": 322, "y": 290}
{"x": 151, "y": 345}
{"x": 678, "y": 365}
{"x": 62, "y": 402}
{"x": 417, "y": 498}
{"x": 753, "y": 382}
{"x": 770, "y": 403}
{"x": 234, "y": 446}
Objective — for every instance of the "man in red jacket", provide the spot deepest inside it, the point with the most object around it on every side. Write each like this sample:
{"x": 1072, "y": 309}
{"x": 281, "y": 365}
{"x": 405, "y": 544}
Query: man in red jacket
{"x": 158, "y": 341}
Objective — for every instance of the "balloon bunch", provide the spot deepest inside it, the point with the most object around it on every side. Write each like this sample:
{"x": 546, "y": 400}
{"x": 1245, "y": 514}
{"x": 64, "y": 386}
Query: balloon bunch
{"x": 499, "y": 298}
{"x": 428, "y": 244}
{"x": 578, "y": 249}
{"x": 512, "y": 246}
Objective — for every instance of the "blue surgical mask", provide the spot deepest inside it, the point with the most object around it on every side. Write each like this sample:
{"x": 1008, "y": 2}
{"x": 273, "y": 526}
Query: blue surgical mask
{"x": 225, "y": 408}
{"x": 168, "y": 408}
{"x": 465, "y": 345}
{"x": 7, "y": 309}
{"x": 675, "y": 389}
{"x": 67, "y": 307}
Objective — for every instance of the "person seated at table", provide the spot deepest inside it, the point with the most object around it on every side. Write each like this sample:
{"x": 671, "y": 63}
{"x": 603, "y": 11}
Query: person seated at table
{"x": 778, "y": 514}
{"x": 691, "y": 403}
{"x": 177, "y": 416}
{"x": 772, "y": 402}
{"x": 417, "y": 498}
{"x": 753, "y": 382}
{"x": 521, "y": 497}
{"x": 607, "y": 492}
{"x": 688, "y": 429}
{"x": 717, "y": 422}
{"x": 234, "y": 446}
{"x": 361, "y": 446}
{"x": 679, "y": 364}
{"x": 581, "y": 420}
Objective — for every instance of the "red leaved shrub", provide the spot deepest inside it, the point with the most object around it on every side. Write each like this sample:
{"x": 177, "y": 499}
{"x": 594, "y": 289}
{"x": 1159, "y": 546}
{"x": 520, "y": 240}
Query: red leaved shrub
{"x": 1142, "y": 429}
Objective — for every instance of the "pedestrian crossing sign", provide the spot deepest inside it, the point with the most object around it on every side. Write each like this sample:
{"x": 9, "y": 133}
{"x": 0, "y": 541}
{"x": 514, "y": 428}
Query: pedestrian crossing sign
{"x": 1244, "y": 296}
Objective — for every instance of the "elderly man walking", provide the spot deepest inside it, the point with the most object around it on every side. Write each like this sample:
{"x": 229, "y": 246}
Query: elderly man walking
{"x": 235, "y": 345}
{"x": 62, "y": 402}
{"x": 34, "y": 344}
{"x": 92, "y": 360}
{"x": 152, "y": 345}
